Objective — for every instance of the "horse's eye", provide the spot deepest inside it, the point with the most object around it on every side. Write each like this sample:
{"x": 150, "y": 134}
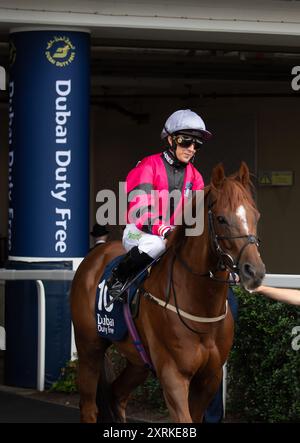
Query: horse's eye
{"x": 222, "y": 220}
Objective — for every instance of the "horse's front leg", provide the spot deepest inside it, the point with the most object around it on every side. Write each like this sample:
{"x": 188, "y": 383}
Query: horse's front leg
{"x": 202, "y": 391}
{"x": 176, "y": 392}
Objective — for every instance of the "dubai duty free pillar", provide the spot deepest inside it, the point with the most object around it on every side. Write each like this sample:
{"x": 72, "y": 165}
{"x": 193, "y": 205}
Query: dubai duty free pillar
{"x": 48, "y": 225}
{"x": 48, "y": 144}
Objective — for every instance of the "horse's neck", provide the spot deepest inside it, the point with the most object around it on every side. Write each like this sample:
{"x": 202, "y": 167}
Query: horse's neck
{"x": 197, "y": 251}
{"x": 201, "y": 292}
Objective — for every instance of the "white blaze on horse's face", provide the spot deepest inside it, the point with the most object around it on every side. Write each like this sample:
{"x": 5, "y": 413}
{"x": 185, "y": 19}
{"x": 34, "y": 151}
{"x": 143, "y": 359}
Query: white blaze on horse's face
{"x": 241, "y": 214}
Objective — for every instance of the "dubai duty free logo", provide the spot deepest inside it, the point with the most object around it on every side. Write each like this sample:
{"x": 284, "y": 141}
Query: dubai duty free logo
{"x": 60, "y": 51}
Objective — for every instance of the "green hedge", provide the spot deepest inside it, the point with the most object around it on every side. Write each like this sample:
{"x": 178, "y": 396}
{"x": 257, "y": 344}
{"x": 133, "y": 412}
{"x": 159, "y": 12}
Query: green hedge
{"x": 67, "y": 380}
{"x": 263, "y": 369}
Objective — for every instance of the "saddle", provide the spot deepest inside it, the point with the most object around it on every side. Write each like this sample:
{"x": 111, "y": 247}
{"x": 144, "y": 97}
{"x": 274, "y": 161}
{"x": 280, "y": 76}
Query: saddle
{"x": 109, "y": 318}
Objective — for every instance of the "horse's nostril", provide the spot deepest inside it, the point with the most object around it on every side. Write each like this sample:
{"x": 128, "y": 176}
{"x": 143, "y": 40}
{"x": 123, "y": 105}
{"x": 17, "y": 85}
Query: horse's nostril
{"x": 249, "y": 270}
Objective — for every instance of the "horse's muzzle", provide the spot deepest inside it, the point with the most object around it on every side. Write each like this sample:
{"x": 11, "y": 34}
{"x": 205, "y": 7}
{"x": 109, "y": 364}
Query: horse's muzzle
{"x": 252, "y": 275}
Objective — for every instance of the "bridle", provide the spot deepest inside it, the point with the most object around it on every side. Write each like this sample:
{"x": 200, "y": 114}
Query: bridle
{"x": 225, "y": 261}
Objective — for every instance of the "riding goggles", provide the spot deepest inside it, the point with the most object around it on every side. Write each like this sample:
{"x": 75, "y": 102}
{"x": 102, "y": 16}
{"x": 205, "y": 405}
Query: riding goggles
{"x": 185, "y": 141}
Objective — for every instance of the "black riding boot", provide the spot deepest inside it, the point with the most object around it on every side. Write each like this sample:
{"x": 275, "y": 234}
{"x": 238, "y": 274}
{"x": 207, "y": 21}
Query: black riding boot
{"x": 133, "y": 262}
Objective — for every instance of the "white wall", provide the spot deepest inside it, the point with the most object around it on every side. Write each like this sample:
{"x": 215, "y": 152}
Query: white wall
{"x": 218, "y": 9}
{"x": 267, "y": 22}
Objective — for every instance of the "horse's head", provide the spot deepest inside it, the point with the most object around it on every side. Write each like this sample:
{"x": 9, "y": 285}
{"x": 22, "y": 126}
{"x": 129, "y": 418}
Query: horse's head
{"x": 233, "y": 217}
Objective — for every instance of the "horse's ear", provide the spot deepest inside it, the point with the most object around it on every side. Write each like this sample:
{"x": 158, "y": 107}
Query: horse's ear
{"x": 243, "y": 174}
{"x": 218, "y": 175}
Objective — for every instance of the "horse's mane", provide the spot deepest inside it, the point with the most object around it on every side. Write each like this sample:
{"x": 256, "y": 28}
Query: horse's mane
{"x": 232, "y": 193}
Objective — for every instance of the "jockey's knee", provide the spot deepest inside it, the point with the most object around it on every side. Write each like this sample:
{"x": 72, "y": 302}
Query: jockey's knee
{"x": 154, "y": 248}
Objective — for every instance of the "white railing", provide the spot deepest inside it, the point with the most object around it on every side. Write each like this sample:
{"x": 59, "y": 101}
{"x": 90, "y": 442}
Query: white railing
{"x": 279, "y": 280}
{"x": 282, "y": 280}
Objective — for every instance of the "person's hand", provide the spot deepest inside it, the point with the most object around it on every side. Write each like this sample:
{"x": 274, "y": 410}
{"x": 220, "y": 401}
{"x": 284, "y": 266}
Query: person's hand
{"x": 164, "y": 231}
{"x": 259, "y": 288}
{"x": 167, "y": 233}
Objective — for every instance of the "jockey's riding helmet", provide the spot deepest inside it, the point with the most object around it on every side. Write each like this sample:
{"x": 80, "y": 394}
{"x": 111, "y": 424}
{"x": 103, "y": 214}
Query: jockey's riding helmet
{"x": 185, "y": 120}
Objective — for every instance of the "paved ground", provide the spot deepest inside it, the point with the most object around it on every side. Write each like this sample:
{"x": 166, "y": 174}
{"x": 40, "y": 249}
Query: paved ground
{"x": 19, "y": 406}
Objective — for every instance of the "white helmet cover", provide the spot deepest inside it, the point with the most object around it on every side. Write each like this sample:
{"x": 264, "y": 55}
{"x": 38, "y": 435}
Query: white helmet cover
{"x": 185, "y": 119}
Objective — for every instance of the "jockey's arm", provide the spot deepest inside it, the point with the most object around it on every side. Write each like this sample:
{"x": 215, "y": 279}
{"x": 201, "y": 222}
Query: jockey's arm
{"x": 143, "y": 208}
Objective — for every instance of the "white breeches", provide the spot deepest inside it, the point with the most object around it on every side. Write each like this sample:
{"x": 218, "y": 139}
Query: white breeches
{"x": 148, "y": 243}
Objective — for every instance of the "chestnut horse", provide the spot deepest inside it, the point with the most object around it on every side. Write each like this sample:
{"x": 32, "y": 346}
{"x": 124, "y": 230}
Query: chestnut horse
{"x": 187, "y": 347}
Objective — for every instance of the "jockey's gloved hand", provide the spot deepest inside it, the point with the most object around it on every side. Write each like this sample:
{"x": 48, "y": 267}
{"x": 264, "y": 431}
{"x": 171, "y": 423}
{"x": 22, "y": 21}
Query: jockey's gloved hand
{"x": 167, "y": 233}
{"x": 164, "y": 231}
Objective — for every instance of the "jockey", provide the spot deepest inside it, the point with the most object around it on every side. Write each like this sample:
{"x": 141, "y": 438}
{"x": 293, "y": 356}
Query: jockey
{"x": 148, "y": 225}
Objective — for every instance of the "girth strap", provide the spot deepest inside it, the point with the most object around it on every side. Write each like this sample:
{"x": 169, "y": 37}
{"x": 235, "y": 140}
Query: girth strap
{"x": 136, "y": 338}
